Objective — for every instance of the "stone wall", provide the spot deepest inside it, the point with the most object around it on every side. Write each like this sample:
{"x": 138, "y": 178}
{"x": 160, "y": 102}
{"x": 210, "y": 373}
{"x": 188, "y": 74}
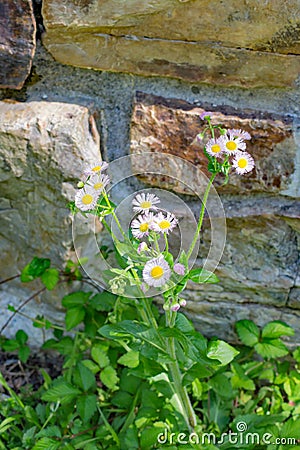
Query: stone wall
{"x": 129, "y": 77}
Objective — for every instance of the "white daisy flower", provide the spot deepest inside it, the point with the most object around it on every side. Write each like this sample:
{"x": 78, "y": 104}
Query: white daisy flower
{"x": 215, "y": 147}
{"x": 232, "y": 144}
{"x": 95, "y": 168}
{"x": 243, "y": 162}
{"x": 98, "y": 183}
{"x": 86, "y": 199}
{"x": 234, "y": 133}
{"x": 145, "y": 202}
{"x": 164, "y": 223}
{"x": 156, "y": 272}
{"x": 141, "y": 225}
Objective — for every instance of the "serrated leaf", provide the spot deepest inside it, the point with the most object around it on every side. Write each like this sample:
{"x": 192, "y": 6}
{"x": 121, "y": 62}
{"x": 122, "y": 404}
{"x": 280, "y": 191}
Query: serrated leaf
{"x": 61, "y": 391}
{"x": 46, "y": 444}
{"x": 221, "y": 351}
{"x": 24, "y": 353}
{"x": 74, "y": 317}
{"x": 75, "y": 299}
{"x": 248, "y": 332}
{"x": 202, "y": 276}
{"x": 83, "y": 377}
{"x": 35, "y": 269}
{"x": 271, "y": 349}
{"x": 99, "y": 356}
{"x": 50, "y": 431}
{"x": 105, "y": 301}
{"x": 130, "y": 359}
{"x": 86, "y": 406}
{"x": 291, "y": 429}
{"x": 275, "y": 329}
{"x": 21, "y": 337}
{"x": 109, "y": 377}
{"x": 122, "y": 399}
{"x": 239, "y": 379}
{"x": 50, "y": 278}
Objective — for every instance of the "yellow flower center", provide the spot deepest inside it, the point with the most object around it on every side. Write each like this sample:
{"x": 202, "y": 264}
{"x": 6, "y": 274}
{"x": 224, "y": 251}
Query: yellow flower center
{"x": 164, "y": 224}
{"x": 87, "y": 199}
{"x": 231, "y": 145}
{"x": 242, "y": 163}
{"x": 157, "y": 272}
{"x": 215, "y": 148}
{"x": 146, "y": 205}
{"x": 144, "y": 227}
{"x": 96, "y": 169}
{"x": 98, "y": 186}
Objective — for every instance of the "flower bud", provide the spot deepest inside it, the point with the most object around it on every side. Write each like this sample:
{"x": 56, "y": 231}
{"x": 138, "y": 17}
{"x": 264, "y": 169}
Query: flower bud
{"x": 175, "y": 307}
{"x": 80, "y": 184}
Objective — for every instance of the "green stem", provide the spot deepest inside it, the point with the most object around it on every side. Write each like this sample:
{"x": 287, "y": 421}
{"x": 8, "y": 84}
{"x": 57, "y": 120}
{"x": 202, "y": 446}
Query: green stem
{"x": 114, "y": 215}
{"x": 201, "y": 216}
{"x": 167, "y": 242}
{"x": 188, "y": 410}
{"x": 145, "y": 309}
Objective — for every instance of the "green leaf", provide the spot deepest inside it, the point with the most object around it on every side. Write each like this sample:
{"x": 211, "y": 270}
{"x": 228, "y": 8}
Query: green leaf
{"x": 291, "y": 429}
{"x": 10, "y": 345}
{"x": 50, "y": 278}
{"x": 75, "y": 299}
{"x": 109, "y": 377}
{"x": 24, "y": 353}
{"x": 221, "y": 385}
{"x": 74, "y": 316}
{"x": 276, "y": 329}
{"x": 105, "y": 301}
{"x": 46, "y": 444}
{"x": 248, "y": 332}
{"x": 51, "y": 431}
{"x": 35, "y": 269}
{"x": 130, "y": 359}
{"x": 99, "y": 356}
{"x": 239, "y": 379}
{"x": 122, "y": 399}
{"x": 221, "y": 351}
{"x": 202, "y": 276}
{"x": 83, "y": 377}
{"x": 296, "y": 354}
{"x": 183, "y": 323}
{"x": 271, "y": 349}
{"x": 61, "y": 391}
{"x": 21, "y": 337}
{"x": 87, "y": 406}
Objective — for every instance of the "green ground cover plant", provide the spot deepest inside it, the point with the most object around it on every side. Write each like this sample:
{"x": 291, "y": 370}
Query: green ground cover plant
{"x": 137, "y": 376}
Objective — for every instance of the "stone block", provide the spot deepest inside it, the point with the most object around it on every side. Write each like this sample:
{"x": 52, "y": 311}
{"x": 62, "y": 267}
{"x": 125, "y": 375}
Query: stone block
{"x": 17, "y": 42}
{"x": 43, "y": 149}
{"x": 226, "y": 43}
{"x": 161, "y": 125}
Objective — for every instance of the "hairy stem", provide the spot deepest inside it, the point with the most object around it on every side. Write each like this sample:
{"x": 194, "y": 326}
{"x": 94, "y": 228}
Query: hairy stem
{"x": 201, "y": 216}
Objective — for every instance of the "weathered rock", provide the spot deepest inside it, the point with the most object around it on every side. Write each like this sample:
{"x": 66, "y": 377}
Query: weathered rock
{"x": 259, "y": 263}
{"x": 207, "y": 41}
{"x": 17, "y": 42}
{"x": 161, "y": 125}
{"x": 43, "y": 149}
{"x": 218, "y": 319}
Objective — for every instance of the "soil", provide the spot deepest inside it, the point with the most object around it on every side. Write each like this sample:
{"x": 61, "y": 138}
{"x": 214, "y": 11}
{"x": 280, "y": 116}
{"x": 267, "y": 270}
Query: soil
{"x": 23, "y": 376}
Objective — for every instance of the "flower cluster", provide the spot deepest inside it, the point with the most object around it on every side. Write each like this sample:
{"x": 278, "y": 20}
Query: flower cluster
{"x": 148, "y": 220}
{"x": 151, "y": 223}
{"x": 91, "y": 187}
{"x": 229, "y": 147}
